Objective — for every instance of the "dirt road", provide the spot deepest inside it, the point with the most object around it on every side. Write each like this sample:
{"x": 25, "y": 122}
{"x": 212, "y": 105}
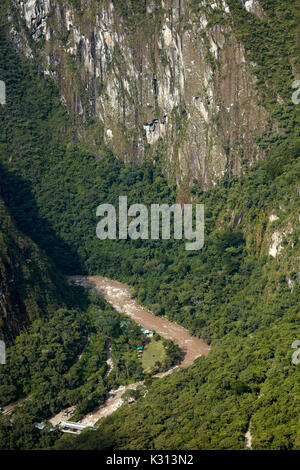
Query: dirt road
{"x": 9, "y": 408}
{"x": 248, "y": 440}
{"x": 119, "y": 296}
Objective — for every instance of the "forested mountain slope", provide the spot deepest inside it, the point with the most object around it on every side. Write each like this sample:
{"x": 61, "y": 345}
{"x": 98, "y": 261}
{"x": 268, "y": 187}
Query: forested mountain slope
{"x": 31, "y": 287}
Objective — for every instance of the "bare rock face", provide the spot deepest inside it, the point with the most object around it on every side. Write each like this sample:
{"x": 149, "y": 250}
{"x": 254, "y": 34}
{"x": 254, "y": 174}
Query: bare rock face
{"x": 167, "y": 78}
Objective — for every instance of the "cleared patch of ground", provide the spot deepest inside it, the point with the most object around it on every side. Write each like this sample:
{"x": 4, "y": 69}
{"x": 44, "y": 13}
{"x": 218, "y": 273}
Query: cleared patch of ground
{"x": 62, "y": 416}
{"x": 153, "y": 352}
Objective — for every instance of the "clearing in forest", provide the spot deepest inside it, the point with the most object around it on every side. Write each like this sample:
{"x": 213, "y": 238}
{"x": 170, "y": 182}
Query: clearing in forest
{"x": 153, "y": 353}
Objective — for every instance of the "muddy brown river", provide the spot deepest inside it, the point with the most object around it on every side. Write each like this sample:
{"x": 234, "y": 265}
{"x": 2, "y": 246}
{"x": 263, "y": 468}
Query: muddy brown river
{"x": 119, "y": 296}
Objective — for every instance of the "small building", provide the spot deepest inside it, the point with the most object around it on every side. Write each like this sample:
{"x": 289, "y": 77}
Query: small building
{"x": 72, "y": 428}
{"x": 40, "y": 426}
{"x": 147, "y": 332}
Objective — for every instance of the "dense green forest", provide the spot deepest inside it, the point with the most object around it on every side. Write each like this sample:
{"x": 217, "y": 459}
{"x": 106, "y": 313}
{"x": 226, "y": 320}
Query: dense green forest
{"x": 62, "y": 362}
{"x": 31, "y": 286}
{"x": 242, "y": 301}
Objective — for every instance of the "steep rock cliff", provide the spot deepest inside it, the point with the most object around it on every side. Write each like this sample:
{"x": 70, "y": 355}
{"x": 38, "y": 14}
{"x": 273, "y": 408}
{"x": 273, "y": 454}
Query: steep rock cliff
{"x": 154, "y": 78}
